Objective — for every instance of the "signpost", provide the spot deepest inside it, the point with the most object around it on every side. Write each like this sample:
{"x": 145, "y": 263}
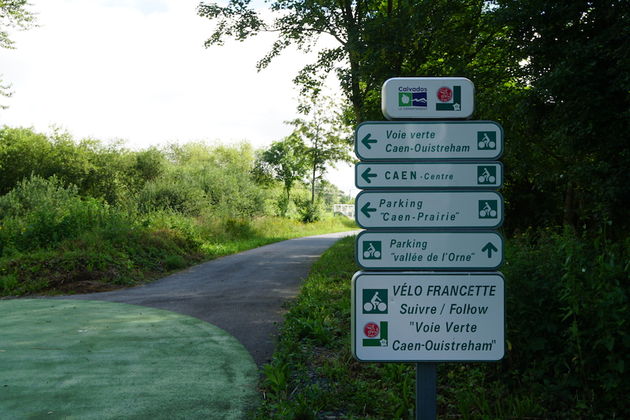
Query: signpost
{"x": 427, "y": 317}
{"x": 429, "y": 250}
{"x": 433, "y": 209}
{"x": 420, "y": 140}
{"x": 391, "y": 175}
{"x": 431, "y": 183}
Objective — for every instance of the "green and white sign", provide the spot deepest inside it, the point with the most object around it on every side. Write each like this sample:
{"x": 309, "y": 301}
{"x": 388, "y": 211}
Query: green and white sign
{"x": 420, "y": 140}
{"x": 427, "y": 97}
{"x": 429, "y": 250}
{"x": 390, "y": 175}
{"x": 428, "y": 317}
{"x": 429, "y": 209}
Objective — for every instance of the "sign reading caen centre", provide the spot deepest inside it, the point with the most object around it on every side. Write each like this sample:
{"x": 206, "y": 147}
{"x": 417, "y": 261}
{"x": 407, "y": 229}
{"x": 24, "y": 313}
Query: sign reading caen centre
{"x": 420, "y": 140}
{"x": 391, "y": 175}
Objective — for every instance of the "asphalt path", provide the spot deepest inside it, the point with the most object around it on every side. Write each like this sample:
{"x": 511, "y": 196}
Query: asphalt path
{"x": 244, "y": 294}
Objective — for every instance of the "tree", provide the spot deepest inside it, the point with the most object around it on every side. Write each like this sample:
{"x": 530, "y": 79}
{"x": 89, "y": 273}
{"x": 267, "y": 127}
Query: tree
{"x": 326, "y": 138}
{"x": 287, "y": 160}
{"x": 13, "y": 14}
{"x": 571, "y": 118}
{"x": 375, "y": 40}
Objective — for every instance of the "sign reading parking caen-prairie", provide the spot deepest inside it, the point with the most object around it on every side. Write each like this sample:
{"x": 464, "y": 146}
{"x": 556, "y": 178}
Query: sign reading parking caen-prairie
{"x": 429, "y": 209}
{"x": 421, "y": 140}
{"x": 417, "y": 317}
{"x": 376, "y": 250}
{"x": 392, "y": 175}
{"x": 427, "y": 97}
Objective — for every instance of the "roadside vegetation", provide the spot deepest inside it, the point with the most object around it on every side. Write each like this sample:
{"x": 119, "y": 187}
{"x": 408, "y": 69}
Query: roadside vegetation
{"x": 566, "y": 350}
{"x": 80, "y": 216}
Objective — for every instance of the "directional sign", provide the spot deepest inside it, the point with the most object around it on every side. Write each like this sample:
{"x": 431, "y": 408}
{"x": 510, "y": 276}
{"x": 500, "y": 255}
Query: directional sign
{"x": 392, "y": 175}
{"x": 427, "y": 97}
{"x": 378, "y": 250}
{"x": 422, "y": 317}
{"x": 419, "y": 140}
{"x": 429, "y": 209}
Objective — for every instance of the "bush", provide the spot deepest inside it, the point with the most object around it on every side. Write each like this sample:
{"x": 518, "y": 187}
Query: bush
{"x": 40, "y": 213}
{"x": 567, "y": 306}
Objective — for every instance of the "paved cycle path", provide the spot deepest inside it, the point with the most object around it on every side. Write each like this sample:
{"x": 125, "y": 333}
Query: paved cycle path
{"x": 242, "y": 293}
{"x": 185, "y": 346}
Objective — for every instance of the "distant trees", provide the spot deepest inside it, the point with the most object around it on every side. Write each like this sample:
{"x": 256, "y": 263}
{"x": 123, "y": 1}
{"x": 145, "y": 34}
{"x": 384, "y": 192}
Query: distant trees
{"x": 319, "y": 139}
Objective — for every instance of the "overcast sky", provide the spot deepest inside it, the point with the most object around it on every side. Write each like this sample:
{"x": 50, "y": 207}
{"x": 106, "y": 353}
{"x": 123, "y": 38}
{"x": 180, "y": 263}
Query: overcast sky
{"x": 137, "y": 70}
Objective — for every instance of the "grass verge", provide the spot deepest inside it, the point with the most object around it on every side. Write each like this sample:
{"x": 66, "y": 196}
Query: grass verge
{"x": 125, "y": 254}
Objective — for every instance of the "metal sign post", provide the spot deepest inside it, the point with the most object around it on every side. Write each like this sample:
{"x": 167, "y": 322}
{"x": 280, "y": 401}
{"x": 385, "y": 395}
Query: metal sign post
{"x": 429, "y": 206}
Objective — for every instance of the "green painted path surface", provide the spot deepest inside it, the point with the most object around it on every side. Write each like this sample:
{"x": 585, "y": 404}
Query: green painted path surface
{"x": 69, "y": 359}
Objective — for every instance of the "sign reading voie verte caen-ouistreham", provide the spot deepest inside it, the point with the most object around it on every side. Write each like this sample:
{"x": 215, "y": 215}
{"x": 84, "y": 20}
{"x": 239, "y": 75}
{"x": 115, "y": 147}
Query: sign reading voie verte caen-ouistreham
{"x": 379, "y": 175}
{"x": 387, "y": 250}
{"x": 418, "y": 316}
{"x": 424, "y": 140}
{"x": 429, "y": 209}
{"x": 427, "y": 97}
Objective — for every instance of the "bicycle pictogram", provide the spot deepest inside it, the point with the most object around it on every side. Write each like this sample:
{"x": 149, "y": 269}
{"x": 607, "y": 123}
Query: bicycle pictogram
{"x": 488, "y": 209}
{"x": 375, "y": 301}
{"x": 485, "y": 176}
{"x": 486, "y": 140}
{"x": 372, "y": 250}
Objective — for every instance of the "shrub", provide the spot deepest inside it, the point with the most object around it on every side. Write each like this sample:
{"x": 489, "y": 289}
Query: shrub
{"x": 567, "y": 306}
{"x": 39, "y": 213}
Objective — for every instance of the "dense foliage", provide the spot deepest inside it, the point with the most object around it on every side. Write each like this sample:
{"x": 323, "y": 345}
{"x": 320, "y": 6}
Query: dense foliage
{"x": 80, "y": 215}
{"x": 566, "y": 357}
{"x": 556, "y": 75}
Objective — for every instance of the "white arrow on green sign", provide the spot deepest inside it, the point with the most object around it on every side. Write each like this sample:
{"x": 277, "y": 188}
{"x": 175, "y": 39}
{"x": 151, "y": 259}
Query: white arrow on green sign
{"x": 420, "y": 317}
{"x": 428, "y": 175}
{"x": 378, "y": 250}
{"x": 429, "y": 209}
{"x": 422, "y": 140}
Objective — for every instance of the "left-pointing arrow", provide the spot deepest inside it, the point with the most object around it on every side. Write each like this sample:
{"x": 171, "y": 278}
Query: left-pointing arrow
{"x": 366, "y": 209}
{"x": 367, "y": 140}
{"x": 367, "y": 175}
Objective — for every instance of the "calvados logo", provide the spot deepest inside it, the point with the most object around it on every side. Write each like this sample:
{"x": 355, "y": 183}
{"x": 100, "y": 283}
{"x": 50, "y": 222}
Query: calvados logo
{"x": 449, "y": 99}
{"x": 376, "y": 334}
{"x": 412, "y": 97}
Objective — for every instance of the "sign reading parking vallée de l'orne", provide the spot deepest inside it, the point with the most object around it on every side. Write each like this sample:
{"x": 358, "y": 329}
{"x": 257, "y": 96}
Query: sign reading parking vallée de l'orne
{"x": 427, "y": 97}
{"x": 420, "y": 140}
{"x": 385, "y": 250}
{"x": 417, "y": 317}
{"x": 429, "y": 209}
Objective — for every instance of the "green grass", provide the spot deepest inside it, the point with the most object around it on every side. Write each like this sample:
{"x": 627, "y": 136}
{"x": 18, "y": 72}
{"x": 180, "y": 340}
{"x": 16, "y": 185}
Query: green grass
{"x": 559, "y": 289}
{"x": 119, "y": 254}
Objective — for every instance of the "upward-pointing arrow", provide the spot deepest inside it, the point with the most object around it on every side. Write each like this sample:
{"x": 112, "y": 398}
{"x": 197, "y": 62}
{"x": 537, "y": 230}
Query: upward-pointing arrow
{"x": 489, "y": 248}
{"x": 367, "y": 141}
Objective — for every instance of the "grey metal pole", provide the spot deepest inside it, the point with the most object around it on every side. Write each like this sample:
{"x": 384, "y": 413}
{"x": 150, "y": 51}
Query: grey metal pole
{"x": 426, "y": 391}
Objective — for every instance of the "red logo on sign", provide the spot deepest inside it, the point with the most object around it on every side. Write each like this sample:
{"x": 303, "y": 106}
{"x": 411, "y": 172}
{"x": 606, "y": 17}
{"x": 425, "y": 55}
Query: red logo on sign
{"x": 445, "y": 94}
{"x": 371, "y": 330}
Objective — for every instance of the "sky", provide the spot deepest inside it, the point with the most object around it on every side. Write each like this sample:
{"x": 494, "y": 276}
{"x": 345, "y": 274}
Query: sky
{"x": 137, "y": 70}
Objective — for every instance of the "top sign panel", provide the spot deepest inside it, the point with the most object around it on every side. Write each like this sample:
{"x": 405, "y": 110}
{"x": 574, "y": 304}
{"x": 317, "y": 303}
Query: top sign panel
{"x": 404, "y": 98}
